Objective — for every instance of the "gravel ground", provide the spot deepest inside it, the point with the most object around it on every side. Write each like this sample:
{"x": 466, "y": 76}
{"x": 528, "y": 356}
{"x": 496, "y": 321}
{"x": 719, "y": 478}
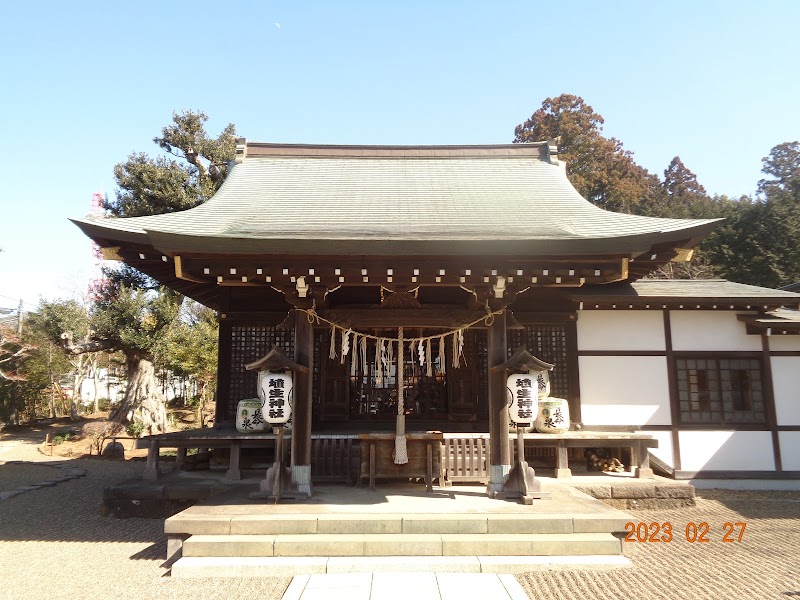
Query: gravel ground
{"x": 53, "y": 541}
{"x": 765, "y": 564}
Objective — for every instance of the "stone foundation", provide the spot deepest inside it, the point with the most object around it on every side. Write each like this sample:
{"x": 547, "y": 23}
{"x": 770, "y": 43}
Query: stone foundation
{"x": 632, "y": 496}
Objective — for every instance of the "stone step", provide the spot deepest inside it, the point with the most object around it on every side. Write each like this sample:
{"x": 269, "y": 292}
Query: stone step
{"x": 243, "y": 566}
{"x": 433, "y": 523}
{"x": 376, "y": 544}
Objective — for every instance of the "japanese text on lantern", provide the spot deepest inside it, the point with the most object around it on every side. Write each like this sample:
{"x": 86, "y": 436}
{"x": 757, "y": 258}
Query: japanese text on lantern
{"x": 275, "y": 390}
{"x": 522, "y": 398}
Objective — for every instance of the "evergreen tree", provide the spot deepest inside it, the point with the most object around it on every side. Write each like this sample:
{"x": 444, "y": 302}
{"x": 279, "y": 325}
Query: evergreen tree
{"x": 680, "y": 182}
{"x": 600, "y": 168}
{"x": 133, "y": 314}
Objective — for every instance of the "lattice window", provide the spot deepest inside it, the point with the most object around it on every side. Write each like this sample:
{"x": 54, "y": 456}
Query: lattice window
{"x": 316, "y": 388}
{"x": 548, "y": 343}
{"x": 249, "y": 343}
{"x": 720, "y": 390}
{"x": 476, "y": 345}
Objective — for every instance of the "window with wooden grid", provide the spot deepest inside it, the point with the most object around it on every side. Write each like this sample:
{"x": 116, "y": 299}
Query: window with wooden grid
{"x": 720, "y": 391}
{"x": 548, "y": 343}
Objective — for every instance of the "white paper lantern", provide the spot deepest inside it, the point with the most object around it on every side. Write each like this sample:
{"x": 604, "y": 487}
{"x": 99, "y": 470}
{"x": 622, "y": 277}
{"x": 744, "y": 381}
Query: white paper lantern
{"x": 522, "y": 399}
{"x": 275, "y": 391}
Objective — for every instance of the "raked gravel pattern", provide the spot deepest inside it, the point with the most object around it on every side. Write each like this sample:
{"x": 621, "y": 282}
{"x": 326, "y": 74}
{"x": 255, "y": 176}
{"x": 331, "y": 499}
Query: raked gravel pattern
{"x": 54, "y": 542}
{"x": 765, "y": 564}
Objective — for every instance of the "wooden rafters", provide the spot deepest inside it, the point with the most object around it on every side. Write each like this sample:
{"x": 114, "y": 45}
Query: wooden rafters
{"x": 330, "y": 272}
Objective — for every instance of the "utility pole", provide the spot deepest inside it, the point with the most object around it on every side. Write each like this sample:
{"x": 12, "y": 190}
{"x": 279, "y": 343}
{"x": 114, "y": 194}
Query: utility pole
{"x": 19, "y": 318}
{"x": 15, "y": 417}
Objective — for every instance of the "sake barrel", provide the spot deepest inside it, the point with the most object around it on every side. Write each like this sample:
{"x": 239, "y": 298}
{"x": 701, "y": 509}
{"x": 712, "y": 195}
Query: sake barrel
{"x": 553, "y": 416}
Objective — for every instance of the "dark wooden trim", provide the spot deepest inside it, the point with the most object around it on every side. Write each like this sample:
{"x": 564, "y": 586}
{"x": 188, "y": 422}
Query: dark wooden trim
{"x": 784, "y": 352}
{"x": 626, "y": 428}
{"x": 622, "y": 353}
{"x": 367, "y": 318}
{"x": 768, "y": 395}
{"x": 498, "y": 403}
{"x": 624, "y": 303}
{"x": 724, "y": 426}
{"x": 672, "y": 383}
{"x": 269, "y": 318}
{"x": 718, "y": 354}
{"x": 788, "y": 427}
{"x": 223, "y": 367}
{"x": 783, "y": 475}
{"x": 525, "y": 317}
{"x": 303, "y": 385}
{"x": 574, "y": 382}
{"x": 332, "y": 270}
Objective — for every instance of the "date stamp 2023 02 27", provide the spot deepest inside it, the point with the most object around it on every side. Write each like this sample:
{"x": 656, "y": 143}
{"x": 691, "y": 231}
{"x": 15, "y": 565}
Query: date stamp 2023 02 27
{"x": 693, "y": 532}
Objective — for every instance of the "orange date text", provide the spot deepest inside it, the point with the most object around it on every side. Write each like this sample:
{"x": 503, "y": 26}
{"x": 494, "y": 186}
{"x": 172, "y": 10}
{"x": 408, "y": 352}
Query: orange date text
{"x": 693, "y": 532}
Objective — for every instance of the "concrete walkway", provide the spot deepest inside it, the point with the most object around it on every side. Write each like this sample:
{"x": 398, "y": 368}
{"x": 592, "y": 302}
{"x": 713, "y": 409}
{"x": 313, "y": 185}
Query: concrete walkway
{"x": 405, "y": 586}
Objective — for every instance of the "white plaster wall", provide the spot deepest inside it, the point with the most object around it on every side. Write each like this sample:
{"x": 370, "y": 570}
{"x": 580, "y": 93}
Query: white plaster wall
{"x": 620, "y": 330}
{"x": 790, "y": 450}
{"x": 664, "y": 450}
{"x": 709, "y": 330}
{"x": 624, "y": 390}
{"x": 781, "y": 342}
{"x": 726, "y": 451}
{"x": 786, "y": 384}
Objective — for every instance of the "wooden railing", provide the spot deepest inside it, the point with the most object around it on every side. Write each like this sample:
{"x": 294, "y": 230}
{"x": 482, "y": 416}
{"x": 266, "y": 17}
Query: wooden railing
{"x": 466, "y": 459}
{"x": 334, "y": 458}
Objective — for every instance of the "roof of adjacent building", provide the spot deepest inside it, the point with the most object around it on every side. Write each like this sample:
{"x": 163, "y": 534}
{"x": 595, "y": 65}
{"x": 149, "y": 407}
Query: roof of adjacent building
{"x": 793, "y": 287}
{"x": 672, "y": 291}
{"x": 398, "y": 200}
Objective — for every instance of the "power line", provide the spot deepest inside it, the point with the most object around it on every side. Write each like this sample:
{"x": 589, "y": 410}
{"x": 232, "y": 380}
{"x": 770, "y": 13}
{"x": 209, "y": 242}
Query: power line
{"x": 31, "y": 304}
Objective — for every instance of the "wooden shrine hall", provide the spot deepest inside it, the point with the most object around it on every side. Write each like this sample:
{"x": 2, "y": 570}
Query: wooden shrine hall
{"x": 333, "y": 254}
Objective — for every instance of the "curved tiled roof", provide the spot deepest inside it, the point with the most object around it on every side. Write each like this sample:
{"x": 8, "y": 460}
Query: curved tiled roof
{"x": 398, "y": 200}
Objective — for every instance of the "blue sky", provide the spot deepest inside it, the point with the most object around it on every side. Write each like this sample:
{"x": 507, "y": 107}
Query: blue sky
{"x": 87, "y": 83}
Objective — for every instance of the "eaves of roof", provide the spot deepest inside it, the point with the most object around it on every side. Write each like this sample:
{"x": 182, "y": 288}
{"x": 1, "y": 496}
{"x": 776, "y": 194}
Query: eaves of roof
{"x": 707, "y": 292}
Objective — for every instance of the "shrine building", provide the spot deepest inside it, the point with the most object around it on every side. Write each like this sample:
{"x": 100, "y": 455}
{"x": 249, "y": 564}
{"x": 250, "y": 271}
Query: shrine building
{"x": 430, "y": 265}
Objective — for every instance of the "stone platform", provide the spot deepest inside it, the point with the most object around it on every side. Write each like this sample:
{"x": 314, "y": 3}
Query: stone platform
{"x": 397, "y": 527}
{"x": 176, "y": 491}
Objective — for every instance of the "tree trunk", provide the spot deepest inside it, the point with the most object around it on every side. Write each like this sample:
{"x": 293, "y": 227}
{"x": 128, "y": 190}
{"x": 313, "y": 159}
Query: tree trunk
{"x": 143, "y": 398}
{"x": 95, "y": 378}
{"x": 77, "y": 384}
{"x": 201, "y": 404}
{"x": 52, "y": 401}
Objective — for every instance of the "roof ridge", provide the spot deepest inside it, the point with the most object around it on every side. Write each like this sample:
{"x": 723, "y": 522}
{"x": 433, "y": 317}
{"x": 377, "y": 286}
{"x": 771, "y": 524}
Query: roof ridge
{"x": 541, "y": 150}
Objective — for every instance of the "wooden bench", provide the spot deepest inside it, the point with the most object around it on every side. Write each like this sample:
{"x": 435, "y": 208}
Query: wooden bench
{"x": 333, "y": 455}
{"x": 637, "y": 442}
{"x": 424, "y": 457}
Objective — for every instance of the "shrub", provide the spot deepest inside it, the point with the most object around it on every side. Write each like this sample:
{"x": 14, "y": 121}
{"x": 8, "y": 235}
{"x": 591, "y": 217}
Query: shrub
{"x": 135, "y": 429}
{"x": 60, "y": 438}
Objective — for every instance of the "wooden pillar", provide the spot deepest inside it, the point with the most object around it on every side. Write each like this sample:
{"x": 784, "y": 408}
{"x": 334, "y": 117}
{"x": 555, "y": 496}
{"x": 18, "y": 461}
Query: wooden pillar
{"x": 234, "y": 472}
{"x": 301, "y": 421}
{"x": 500, "y": 457}
{"x": 223, "y": 413}
{"x": 152, "y": 471}
{"x": 222, "y": 410}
